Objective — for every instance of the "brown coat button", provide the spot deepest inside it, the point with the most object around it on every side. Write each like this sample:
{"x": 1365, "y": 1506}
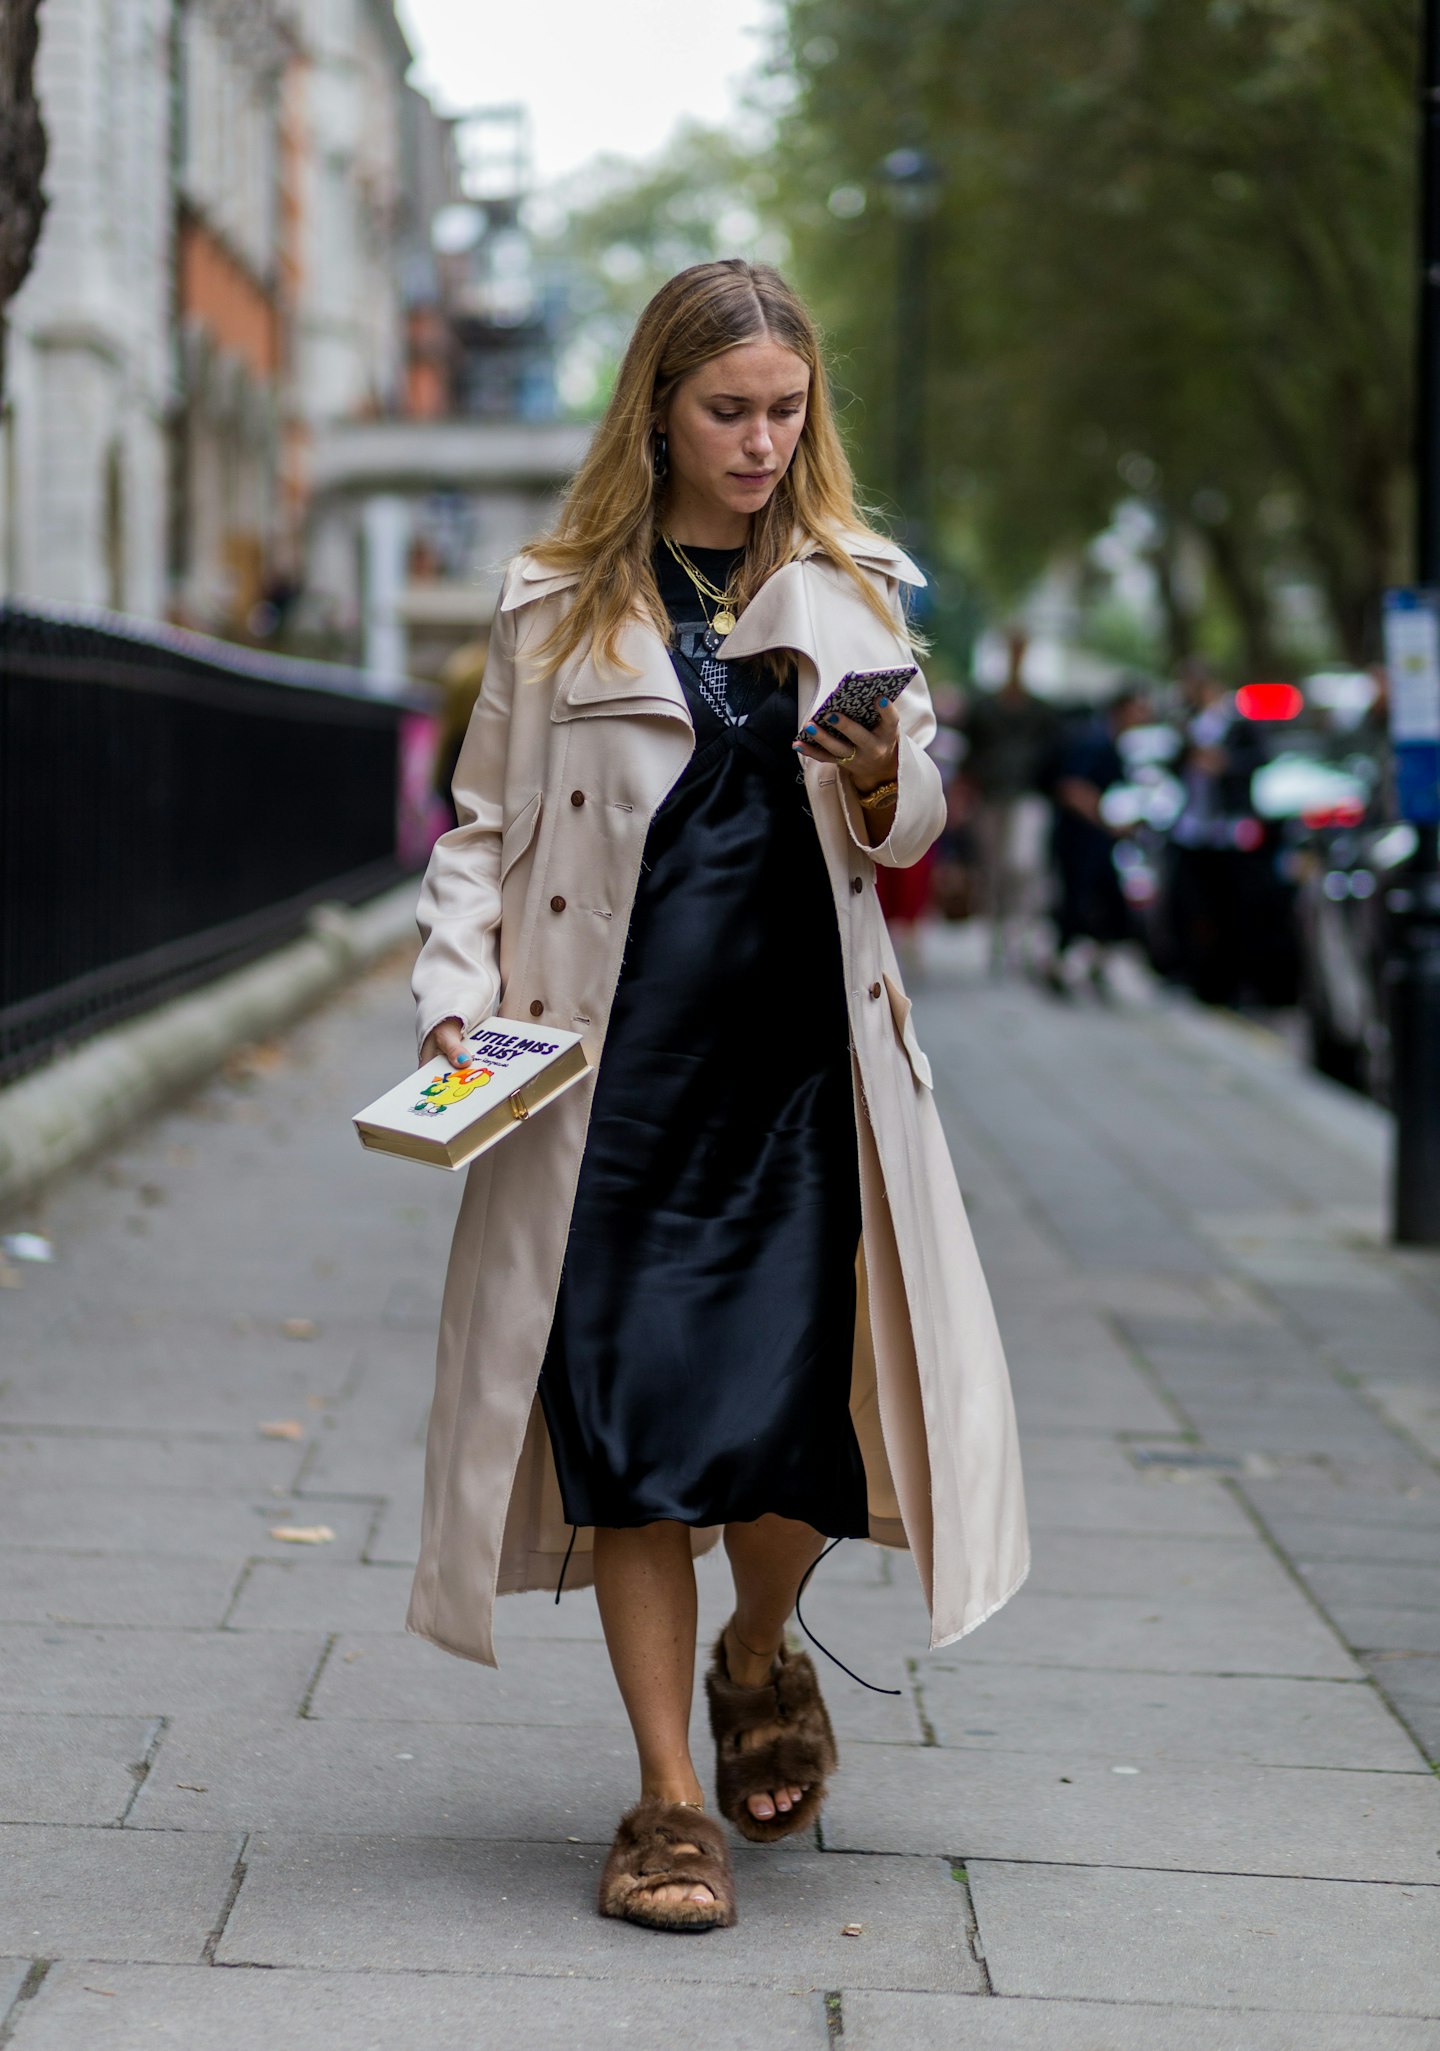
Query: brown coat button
{"x": 537, "y": 1007}
{"x": 856, "y": 885}
{"x": 577, "y": 797}
{"x": 874, "y": 989}
{"x": 557, "y": 904}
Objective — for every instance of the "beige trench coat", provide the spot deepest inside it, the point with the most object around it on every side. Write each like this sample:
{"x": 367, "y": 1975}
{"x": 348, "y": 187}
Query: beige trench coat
{"x": 524, "y": 910}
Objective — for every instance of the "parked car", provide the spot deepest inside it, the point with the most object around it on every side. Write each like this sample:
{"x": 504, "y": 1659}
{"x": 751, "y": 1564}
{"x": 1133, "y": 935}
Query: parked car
{"x": 1349, "y": 872}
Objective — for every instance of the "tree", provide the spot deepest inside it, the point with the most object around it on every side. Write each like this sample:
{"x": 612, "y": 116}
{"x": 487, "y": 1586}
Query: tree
{"x": 627, "y": 227}
{"x": 1172, "y": 262}
{"x": 22, "y": 153}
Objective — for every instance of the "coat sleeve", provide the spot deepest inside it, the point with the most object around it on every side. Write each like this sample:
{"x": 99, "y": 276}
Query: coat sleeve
{"x": 457, "y": 974}
{"x": 920, "y": 806}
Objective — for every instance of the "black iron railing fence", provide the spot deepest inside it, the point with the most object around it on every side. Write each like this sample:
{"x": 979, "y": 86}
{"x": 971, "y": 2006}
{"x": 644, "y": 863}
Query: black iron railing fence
{"x": 169, "y": 808}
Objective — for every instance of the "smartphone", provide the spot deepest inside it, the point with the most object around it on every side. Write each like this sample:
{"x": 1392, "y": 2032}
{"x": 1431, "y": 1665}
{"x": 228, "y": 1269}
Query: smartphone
{"x": 858, "y": 695}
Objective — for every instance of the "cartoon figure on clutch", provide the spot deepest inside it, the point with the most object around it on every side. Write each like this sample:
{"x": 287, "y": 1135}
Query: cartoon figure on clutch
{"x": 453, "y": 1087}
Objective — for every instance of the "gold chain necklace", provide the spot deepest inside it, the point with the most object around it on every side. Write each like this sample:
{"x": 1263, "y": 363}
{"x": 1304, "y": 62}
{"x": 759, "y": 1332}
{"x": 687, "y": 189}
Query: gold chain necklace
{"x": 723, "y": 621}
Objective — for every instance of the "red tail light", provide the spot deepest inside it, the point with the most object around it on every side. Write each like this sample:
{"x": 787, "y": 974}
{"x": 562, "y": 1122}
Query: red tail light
{"x": 1349, "y": 812}
{"x": 1269, "y": 701}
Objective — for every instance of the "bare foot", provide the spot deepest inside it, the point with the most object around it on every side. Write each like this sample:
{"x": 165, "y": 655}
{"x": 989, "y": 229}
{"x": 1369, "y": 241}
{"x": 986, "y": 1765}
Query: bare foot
{"x": 676, "y": 1892}
{"x": 750, "y": 1670}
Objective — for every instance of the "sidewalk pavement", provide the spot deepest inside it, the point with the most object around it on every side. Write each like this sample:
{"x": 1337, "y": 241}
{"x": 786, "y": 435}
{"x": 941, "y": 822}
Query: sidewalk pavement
{"x": 1176, "y": 1797}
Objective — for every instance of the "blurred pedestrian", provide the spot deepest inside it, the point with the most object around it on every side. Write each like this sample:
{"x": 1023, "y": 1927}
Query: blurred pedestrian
{"x": 460, "y": 679}
{"x": 667, "y": 1315}
{"x": 1220, "y": 867}
{"x": 1090, "y": 904}
{"x": 1012, "y": 736}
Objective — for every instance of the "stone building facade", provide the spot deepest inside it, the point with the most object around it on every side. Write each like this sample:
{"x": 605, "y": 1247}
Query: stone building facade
{"x": 221, "y": 275}
{"x": 84, "y": 482}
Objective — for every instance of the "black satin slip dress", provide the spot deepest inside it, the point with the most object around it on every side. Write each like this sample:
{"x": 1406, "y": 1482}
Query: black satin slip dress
{"x": 698, "y": 1365}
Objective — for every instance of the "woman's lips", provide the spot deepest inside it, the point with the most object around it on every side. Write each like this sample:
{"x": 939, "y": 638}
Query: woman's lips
{"x": 752, "y": 476}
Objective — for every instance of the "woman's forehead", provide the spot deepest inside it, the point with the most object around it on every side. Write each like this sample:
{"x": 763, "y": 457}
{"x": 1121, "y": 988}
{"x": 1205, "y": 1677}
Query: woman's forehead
{"x": 763, "y": 369}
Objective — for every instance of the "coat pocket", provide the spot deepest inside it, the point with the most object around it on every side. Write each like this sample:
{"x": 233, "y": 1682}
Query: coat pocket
{"x": 518, "y": 835}
{"x": 900, "y": 1010}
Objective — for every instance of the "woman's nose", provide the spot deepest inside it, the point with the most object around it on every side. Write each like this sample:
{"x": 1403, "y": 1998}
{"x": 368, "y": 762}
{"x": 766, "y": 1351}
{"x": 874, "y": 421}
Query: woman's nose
{"x": 757, "y": 441}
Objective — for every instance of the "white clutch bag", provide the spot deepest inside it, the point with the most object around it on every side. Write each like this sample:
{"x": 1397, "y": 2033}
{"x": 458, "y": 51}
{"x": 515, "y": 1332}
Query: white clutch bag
{"x": 445, "y": 1116}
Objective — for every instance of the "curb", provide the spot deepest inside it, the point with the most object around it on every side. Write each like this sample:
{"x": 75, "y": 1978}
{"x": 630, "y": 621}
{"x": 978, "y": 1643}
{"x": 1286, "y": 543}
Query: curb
{"x": 83, "y": 1101}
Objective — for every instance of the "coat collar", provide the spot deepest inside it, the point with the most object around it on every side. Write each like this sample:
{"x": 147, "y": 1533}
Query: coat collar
{"x": 807, "y": 606}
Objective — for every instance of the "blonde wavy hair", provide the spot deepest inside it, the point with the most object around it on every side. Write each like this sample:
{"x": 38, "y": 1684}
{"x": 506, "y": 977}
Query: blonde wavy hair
{"x": 606, "y": 532}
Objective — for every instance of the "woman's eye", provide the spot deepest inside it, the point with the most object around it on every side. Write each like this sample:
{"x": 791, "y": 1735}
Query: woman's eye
{"x": 727, "y": 416}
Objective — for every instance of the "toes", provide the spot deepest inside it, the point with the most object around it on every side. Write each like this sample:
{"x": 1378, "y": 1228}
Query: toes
{"x": 673, "y": 1895}
{"x": 779, "y": 1802}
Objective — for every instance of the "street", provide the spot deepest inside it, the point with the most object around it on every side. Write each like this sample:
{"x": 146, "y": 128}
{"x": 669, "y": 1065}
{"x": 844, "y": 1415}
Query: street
{"x": 1177, "y": 1794}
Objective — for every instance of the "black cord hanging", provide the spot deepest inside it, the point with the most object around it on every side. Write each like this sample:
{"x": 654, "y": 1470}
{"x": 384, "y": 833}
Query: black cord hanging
{"x": 574, "y": 1534}
{"x": 873, "y": 1686}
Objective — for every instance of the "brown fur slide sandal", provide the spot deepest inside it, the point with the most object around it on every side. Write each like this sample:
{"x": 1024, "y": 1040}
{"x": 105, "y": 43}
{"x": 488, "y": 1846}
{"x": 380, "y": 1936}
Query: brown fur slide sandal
{"x": 668, "y": 1844}
{"x": 801, "y": 1753}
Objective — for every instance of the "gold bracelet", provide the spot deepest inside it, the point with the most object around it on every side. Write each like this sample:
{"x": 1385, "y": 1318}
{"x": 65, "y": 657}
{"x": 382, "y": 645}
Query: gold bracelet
{"x": 882, "y": 795}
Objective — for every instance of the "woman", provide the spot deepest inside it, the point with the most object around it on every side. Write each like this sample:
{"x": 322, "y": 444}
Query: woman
{"x": 727, "y": 1284}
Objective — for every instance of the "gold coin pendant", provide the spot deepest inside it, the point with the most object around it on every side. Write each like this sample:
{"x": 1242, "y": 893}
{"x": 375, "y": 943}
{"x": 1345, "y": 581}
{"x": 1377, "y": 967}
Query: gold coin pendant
{"x": 724, "y": 621}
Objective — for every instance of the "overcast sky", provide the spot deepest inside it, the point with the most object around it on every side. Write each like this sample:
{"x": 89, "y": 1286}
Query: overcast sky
{"x": 599, "y": 75}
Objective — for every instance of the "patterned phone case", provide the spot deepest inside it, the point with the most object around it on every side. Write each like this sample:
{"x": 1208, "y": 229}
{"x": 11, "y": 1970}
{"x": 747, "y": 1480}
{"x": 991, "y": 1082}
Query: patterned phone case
{"x": 858, "y": 695}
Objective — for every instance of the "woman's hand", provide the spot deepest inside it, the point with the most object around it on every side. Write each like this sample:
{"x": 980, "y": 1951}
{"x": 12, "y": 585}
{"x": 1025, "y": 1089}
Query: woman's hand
{"x": 446, "y": 1042}
{"x": 868, "y": 756}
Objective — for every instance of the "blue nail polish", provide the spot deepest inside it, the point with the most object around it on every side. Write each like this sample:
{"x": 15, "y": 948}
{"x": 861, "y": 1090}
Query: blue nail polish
{"x": 883, "y": 703}
{"x": 810, "y": 733}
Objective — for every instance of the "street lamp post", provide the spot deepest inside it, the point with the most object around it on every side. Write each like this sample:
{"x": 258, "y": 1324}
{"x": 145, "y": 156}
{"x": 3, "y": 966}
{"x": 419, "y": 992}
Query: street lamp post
{"x": 1413, "y": 970}
{"x": 912, "y": 180}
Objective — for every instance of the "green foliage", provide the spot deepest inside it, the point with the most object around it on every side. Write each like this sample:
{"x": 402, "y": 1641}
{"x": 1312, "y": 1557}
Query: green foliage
{"x": 628, "y": 227}
{"x": 1170, "y": 259}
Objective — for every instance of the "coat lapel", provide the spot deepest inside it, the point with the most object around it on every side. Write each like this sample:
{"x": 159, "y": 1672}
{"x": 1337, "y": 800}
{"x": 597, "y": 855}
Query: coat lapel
{"x": 643, "y": 681}
{"x": 814, "y": 610}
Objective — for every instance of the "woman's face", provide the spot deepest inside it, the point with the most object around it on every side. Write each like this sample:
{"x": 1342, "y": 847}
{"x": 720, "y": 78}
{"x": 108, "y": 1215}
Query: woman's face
{"x": 732, "y": 427}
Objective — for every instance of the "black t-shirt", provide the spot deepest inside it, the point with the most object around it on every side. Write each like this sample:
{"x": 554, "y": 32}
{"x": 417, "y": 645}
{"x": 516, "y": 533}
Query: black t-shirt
{"x": 731, "y": 690}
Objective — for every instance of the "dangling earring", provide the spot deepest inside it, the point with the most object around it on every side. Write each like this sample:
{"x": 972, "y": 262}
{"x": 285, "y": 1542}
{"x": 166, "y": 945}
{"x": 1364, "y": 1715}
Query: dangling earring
{"x": 660, "y": 462}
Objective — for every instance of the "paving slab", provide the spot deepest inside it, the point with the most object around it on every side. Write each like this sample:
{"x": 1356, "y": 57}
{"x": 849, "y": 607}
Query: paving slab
{"x": 1216, "y": 1939}
{"x": 416, "y": 1779}
{"x": 1074, "y": 1809}
{"x": 1117, "y": 1401}
{"x": 1076, "y": 1456}
{"x": 154, "y": 1673}
{"x": 196, "y": 2008}
{"x": 111, "y": 1894}
{"x": 123, "y": 1590}
{"x": 1373, "y": 1584}
{"x": 1387, "y": 1630}
{"x": 1414, "y": 1688}
{"x": 1158, "y": 1717}
{"x": 197, "y": 1525}
{"x": 946, "y": 2022}
{"x": 71, "y": 1769}
{"x": 1387, "y": 1499}
{"x": 312, "y": 1595}
{"x": 395, "y": 1540}
{"x": 1186, "y": 1505}
{"x": 1409, "y": 1550}
{"x": 443, "y": 1905}
{"x": 131, "y": 1460}
{"x": 1178, "y": 1634}
{"x": 13, "y": 1975}
{"x": 214, "y": 1382}
{"x": 567, "y": 1682}
{"x": 1100, "y": 1563}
